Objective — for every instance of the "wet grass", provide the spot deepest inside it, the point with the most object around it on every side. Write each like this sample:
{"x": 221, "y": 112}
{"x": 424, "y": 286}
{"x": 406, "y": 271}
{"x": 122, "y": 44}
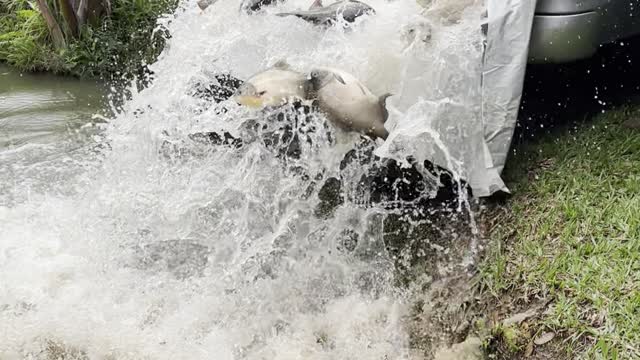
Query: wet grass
{"x": 568, "y": 242}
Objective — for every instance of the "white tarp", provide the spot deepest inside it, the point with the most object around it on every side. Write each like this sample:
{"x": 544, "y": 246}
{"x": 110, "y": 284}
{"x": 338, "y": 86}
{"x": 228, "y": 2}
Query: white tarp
{"x": 469, "y": 94}
{"x": 505, "y": 61}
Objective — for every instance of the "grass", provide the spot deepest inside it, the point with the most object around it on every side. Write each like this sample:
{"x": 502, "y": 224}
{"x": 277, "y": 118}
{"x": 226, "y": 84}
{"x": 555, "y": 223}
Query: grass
{"x": 571, "y": 240}
{"x": 117, "y": 50}
{"x": 21, "y": 32}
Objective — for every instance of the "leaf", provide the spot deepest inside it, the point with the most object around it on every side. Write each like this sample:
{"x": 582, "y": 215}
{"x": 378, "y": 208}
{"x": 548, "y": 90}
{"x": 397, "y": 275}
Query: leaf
{"x": 529, "y": 351}
{"x": 544, "y": 338}
{"x": 518, "y": 318}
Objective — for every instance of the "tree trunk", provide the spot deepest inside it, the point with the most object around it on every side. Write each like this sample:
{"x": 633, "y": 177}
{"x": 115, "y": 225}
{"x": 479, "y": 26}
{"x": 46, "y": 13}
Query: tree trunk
{"x": 92, "y": 11}
{"x": 107, "y": 7}
{"x": 52, "y": 24}
{"x": 75, "y": 4}
{"x": 66, "y": 8}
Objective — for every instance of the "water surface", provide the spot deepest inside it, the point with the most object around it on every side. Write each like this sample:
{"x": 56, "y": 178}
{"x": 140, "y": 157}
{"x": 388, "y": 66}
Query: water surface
{"x": 45, "y": 121}
{"x": 44, "y": 108}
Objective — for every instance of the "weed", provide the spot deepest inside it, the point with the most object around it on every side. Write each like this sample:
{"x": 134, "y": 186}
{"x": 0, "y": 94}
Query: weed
{"x": 572, "y": 236}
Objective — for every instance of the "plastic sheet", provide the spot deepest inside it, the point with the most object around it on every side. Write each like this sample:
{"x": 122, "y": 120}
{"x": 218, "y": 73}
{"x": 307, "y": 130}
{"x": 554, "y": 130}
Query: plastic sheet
{"x": 469, "y": 90}
{"x": 509, "y": 30}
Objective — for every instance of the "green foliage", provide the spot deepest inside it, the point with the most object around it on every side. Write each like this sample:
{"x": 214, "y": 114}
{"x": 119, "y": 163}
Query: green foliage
{"x": 509, "y": 337}
{"x": 119, "y": 48}
{"x": 10, "y": 6}
{"x": 116, "y": 50}
{"x": 24, "y": 41}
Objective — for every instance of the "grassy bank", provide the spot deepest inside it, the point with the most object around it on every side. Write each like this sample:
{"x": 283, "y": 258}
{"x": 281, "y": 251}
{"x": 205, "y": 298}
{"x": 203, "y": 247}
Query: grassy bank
{"x": 116, "y": 47}
{"x": 565, "y": 252}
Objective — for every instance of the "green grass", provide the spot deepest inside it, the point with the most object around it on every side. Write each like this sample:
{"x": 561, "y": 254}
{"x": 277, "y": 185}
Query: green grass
{"x": 22, "y": 33}
{"x": 571, "y": 236}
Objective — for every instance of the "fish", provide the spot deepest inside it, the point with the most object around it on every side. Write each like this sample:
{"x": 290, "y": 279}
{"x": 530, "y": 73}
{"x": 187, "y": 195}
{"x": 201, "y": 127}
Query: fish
{"x": 204, "y": 4}
{"x": 417, "y": 33}
{"x": 272, "y": 87}
{"x": 448, "y": 12}
{"x": 318, "y": 14}
{"x": 251, "y": 6}
{"x": 347, "y": 102}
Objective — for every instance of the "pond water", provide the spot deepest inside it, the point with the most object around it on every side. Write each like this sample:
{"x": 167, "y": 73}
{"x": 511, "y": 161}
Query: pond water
{"x": 44, "y": 108}
{"x": 46, "y": 121}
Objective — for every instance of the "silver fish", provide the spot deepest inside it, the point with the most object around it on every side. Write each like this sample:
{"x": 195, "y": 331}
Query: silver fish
{"x": 272, "y": 87}
{"x": 318, "y": 14}
{"x": 348, "y": 103}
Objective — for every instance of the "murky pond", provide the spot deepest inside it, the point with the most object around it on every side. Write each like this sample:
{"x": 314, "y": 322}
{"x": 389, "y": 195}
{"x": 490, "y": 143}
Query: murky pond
{"x": 43, "y": 108}
{"x": 45, "y": 120}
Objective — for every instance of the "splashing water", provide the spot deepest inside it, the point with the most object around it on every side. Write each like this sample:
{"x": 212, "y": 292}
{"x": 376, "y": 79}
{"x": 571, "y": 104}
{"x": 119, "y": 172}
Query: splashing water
{"x": 217, "y": 252}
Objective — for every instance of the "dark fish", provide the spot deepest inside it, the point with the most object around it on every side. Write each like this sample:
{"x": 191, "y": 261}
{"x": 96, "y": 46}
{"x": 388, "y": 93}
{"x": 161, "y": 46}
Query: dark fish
{"x": 251, "y": 6}
{"x": 204, "y": 4}
{"x": 350, "y": 10}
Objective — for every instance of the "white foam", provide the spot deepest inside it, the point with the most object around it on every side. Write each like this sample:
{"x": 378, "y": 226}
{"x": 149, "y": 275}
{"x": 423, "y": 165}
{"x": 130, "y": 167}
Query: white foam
{"x": 275, "y": 286}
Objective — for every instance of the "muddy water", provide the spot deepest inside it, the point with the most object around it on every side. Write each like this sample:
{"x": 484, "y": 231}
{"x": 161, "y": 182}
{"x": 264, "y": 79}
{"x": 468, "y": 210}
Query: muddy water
{"x": 45, "y": 120}
{"x": 43, "y": 108}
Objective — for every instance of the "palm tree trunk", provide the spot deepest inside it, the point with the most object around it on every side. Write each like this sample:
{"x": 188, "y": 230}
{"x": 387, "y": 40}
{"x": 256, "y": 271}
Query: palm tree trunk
{"x": 52, "y": 24}
{"x": 66, "y": 8}
{"x": 92, "y": 11}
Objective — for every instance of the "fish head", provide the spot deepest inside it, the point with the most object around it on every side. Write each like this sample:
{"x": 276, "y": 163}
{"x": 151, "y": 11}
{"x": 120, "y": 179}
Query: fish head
{"x": 318, "y": 78}
{"x": 351, "y": 10}
{"x": 251, "y": 6}
{"x": 248, "y": 95}
{"x": 417, "y": 33}
{"x": 362, "y": 8}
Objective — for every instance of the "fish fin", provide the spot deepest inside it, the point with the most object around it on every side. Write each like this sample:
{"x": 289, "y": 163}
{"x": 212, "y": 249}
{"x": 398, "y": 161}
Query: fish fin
{"x": 339, "y": 78}
{"x": 316, "y": 4}
{"x": 308, "y": 90}
{"x": 282, "y": 65}
{"x": 364, "y": 91}
{"x": 383, "y": 104}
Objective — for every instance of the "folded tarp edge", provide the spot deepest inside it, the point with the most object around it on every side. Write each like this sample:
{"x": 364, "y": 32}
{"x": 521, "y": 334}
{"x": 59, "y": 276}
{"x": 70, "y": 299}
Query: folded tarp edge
{"x": 505, "y": 61}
